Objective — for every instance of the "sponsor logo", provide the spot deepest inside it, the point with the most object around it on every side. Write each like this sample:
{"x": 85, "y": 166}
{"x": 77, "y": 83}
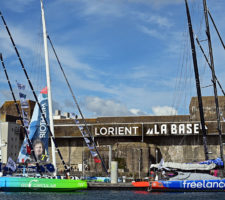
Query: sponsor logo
{"x": 43, "y": 127}
{"x": 203, "y": 184}
{"x": 33, "y": 181}
{"x": 36, "y": 184}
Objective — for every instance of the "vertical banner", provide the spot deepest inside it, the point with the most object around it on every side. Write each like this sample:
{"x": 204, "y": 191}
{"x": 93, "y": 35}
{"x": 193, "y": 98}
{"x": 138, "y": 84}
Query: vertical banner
{"x": 38, "y": 133}
{"x": 23, "y": 103}
{"x": 89, "y": 141}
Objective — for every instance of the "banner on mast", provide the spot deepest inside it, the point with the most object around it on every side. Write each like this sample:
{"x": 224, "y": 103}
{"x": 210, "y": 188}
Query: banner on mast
{"x": 24, "y": 104}
{"x": 38, "y": 133}
{"x": 89, "y": 141}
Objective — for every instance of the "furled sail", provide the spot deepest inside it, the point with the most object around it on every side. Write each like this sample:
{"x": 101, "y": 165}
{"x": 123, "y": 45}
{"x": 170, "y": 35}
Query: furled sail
{"x": 38, "y": 133}
{"x": 184, "y": 166}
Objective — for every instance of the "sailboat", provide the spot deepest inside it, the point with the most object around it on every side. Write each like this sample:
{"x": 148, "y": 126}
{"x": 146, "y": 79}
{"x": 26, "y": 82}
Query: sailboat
{"x": 38, "y": 183}
{"x": 191, "y": 176}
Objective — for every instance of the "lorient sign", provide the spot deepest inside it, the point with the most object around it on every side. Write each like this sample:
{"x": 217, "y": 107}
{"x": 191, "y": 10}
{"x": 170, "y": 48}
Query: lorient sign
{"x": 147, "y": 129}
{"x": 117, "y": 131}
{"x": 173, "y": 129}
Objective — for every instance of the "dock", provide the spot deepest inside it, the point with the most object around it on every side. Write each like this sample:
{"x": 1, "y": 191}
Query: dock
{"x": 115, "y": 186}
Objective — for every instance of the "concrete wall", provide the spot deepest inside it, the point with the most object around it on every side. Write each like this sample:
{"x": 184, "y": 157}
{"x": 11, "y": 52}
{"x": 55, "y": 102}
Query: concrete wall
{"x": 209, "y": 108}
{"x": 134, "y": 156}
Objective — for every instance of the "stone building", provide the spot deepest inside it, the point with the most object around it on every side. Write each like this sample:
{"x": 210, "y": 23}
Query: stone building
{"x": 137, "y": 141}
{"x": 10, "y": 142}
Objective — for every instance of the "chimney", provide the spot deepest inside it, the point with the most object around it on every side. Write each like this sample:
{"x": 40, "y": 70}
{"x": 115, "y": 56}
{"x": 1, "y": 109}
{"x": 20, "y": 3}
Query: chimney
{"x": 57, "y": 112}
{"x": 67, "y": 115}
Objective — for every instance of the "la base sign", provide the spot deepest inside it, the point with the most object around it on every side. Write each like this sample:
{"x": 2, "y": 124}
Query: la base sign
{"x": 147, "y": 129}
{"x": 173, "y": 129}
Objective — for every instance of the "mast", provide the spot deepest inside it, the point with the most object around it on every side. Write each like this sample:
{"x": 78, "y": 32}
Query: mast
{"x": 213, "y": 79}
{"x": 198, "y": 87}
{"x": 48, "y": 84}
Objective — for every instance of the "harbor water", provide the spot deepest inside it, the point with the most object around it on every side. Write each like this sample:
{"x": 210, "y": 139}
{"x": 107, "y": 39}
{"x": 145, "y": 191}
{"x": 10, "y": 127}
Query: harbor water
{"x": 112, "y": 195}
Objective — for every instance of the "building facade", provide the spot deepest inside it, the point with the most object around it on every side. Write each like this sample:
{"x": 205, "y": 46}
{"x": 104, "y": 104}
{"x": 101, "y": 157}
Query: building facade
{"x": 10, "y": 141}
{"x": 135, "y": 141}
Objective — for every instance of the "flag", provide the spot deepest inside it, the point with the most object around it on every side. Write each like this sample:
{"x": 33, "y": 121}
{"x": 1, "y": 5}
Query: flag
{"x": 87, "y": 140}
{"x": 28, "y": 149}
{"x": 22, "y": 96}
{"x": 23, "y": 100}
{"x": 93, "y": 153}
{"x": 44, "y": 90}
{"x": 26, "y": 122}
{"x": 20, "y": 86}
{"x": 11, "y": 164}
{"x": 91, "y": 146}
{"x": 97, "y": 160}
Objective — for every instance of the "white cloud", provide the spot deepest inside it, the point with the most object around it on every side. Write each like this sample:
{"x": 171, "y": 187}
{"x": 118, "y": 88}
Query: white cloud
{"x": 21, "y": 37}
{"x": 151, "y": 32}
{"x": 68, "y": 58}
{"x": 135, "y": 111}
{"x": 162, "y": 22}
{"x": 102, "y": 107}
{"x": 164, "y": 110}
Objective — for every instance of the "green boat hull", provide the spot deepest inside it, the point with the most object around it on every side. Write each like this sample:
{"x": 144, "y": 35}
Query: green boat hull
{"x": 23, "y": 184}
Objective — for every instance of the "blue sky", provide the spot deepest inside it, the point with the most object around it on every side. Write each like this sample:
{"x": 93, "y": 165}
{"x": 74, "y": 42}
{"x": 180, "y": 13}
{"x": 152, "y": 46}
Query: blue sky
{"x": 122, "y": 57}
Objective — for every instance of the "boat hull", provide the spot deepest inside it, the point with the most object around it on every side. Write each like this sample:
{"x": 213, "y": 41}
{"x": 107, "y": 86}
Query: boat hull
{"x": 184, "y": 186}
{"x": 23, "y": 184}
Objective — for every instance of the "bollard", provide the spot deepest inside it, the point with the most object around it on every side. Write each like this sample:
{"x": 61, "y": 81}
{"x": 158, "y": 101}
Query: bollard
{"x": 114, "y": 172}
{"x": 124, "y": 179}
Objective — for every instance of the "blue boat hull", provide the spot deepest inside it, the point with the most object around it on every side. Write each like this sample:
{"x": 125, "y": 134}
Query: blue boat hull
{"x": 188, "y": 185}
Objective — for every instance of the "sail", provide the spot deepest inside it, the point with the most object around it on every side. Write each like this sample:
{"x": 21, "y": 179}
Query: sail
{"x": 184, "y": 166}
{"x": 38, "y": 133}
